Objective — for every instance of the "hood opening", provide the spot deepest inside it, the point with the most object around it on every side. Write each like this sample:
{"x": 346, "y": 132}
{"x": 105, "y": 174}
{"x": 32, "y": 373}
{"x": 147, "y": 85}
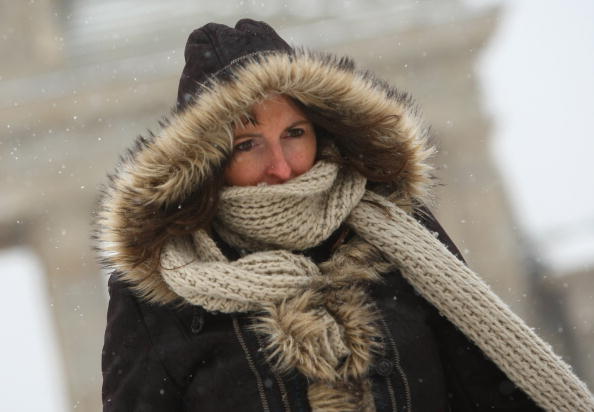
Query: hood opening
{"x": 166, "y": 184}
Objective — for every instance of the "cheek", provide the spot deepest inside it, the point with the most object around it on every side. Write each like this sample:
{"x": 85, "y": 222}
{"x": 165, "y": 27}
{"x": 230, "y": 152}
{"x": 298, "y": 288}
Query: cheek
{"x": 243, "y": 172}
{"x": 304, "y": 155}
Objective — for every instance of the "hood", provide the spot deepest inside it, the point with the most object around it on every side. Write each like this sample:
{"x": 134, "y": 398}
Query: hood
{"x": 166, "y": 170}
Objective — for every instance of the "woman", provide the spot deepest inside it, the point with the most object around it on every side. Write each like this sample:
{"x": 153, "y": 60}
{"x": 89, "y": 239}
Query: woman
{"x": 271, "y": 251}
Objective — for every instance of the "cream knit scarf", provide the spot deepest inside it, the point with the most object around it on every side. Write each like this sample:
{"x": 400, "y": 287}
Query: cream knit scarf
{"x": 319, "y": 319}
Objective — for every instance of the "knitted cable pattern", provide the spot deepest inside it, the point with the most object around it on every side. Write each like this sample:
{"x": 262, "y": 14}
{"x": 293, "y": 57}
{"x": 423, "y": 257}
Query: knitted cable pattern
{"x": 458, "y": 293}
{"x": 296, "y": 215}
{"x": 300, "y": 303}
{"x": 302, "y": 312}
{"x": 240, "y": 286}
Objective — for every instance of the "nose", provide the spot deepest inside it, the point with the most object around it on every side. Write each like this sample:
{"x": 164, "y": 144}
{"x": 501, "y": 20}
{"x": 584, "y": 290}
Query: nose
{"x": 278, "y": 170}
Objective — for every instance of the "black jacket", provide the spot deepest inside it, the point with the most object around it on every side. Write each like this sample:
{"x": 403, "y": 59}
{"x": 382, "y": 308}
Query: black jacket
{"x": 168, "y": 357}
{"x": 171, "y": 358}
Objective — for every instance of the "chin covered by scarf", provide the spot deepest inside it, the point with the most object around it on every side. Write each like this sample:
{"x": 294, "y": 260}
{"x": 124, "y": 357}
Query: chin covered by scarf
{"x": 319, "y": 319}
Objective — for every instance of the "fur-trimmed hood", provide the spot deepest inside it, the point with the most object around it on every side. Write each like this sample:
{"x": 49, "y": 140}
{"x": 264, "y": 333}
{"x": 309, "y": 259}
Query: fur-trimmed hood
{"x": 165, "y": 171}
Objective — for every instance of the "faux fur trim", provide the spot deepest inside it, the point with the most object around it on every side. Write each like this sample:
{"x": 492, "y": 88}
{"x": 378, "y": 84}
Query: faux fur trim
{"x": 160, "y": 170}
{"x": 298, "y": 337}
{"x": 293, "y": 331}
{"x": 341, "y": 397}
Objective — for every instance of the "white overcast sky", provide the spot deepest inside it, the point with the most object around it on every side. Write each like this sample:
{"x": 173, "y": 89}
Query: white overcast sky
{"x": 537, "y": 75}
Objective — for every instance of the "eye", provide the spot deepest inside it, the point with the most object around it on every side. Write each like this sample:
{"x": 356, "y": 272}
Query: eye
{"x": 295, "y": 132}
{"x": 244, "y": 146}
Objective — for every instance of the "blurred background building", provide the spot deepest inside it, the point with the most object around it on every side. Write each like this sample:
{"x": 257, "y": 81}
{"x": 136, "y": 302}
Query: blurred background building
{"x": 507, "y": 96}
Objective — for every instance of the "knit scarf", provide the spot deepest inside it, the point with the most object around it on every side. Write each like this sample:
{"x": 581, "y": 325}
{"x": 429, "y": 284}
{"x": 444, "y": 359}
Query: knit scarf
{"x": 318, "y": 318}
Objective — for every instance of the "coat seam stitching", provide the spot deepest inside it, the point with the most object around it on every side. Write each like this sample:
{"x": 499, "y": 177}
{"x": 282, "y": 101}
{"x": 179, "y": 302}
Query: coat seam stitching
{"x": 396, "y": 359}
{"x": 251, "y": 364}
{"x": 280, "y": 383}
{"x": 391, "y": 393}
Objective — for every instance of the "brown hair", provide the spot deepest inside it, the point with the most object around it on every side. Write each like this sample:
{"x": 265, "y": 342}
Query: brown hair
{"x": 359, "y": 145}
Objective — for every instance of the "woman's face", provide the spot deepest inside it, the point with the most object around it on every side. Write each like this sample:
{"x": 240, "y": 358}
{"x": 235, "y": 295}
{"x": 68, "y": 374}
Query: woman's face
{"x": 280, "y": 145}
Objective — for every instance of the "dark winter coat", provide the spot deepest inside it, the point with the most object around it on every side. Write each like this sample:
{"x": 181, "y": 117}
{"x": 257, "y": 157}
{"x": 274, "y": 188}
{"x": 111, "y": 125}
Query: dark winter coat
{"x": 166, "y": 358}
{"x": 162, "y": 356}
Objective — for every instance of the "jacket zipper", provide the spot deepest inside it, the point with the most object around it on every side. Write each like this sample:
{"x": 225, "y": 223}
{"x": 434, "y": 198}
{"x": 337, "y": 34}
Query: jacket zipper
{"x": 396, "y": 359}
{"x": 387, "y": 378}
{"x": 281, "y": 384}
{"x": 392, "y": 395}
{"x": 251, "y": 365}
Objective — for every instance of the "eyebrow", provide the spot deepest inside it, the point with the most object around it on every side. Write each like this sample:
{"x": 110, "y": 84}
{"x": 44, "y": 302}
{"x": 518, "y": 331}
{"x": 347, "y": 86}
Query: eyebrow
{"x": 297, "y": 123}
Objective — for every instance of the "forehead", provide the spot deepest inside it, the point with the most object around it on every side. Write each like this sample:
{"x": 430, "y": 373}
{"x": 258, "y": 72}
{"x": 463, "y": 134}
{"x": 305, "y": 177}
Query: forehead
{"x": 273, "y": 109}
